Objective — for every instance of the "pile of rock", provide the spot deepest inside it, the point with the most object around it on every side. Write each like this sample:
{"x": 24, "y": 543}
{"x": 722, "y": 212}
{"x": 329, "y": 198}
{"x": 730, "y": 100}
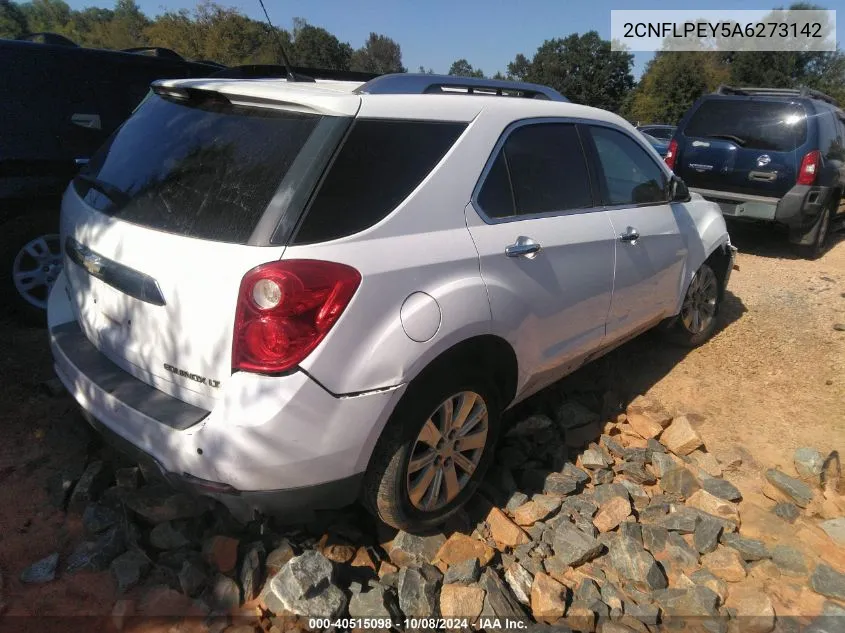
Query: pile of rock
{"x": 621, "y": 525}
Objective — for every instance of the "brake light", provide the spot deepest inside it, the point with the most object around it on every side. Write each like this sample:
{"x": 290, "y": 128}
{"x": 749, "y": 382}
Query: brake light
{"x": 809, "y": 168}
{"x": 285, "y": 309}
{"x": 671, "y": 154}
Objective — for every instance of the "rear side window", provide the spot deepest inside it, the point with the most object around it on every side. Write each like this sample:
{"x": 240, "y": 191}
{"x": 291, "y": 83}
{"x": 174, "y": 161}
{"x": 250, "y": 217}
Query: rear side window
{"x": 631, "y": 176}
{"x": 379, "y": 165}
{"x": 764, "y": 125}
{"x": 540, "y": 169}
{"x": 204, "y": 169}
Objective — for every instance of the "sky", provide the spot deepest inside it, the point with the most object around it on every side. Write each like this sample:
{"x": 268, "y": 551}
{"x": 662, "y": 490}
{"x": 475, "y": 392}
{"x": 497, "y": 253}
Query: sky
{"x": 434, "y": 33}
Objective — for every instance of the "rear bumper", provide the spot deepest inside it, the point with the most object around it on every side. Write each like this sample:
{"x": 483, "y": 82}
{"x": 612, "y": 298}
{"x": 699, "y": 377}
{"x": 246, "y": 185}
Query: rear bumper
{"x": 243, "y": 504}
{"x": 798, "y": 210}
{"x": 271, "y": 444}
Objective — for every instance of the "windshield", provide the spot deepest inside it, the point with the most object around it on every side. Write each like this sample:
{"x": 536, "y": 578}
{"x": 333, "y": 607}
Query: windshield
{"x": 203, "y": 169}
{"x": 767, "y": 125}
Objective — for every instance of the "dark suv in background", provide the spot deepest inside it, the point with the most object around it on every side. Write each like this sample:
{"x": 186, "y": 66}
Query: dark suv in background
{"x": 764, "y": 154}
{"x": 59, "y": 103}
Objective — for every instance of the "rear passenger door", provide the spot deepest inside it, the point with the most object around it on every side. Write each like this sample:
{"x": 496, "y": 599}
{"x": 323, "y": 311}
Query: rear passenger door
{"x": 650, "y": 244}
{"x": 545, "y": 247}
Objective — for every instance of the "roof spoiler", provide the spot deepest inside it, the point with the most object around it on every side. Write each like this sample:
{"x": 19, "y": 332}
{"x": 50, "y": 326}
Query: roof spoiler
{"x": 154, "y": 51}
{"x": 803, "y": 91}
{"x": 44, "y": 37}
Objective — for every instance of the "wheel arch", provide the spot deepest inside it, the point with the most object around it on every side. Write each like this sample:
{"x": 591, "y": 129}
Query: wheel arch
{"x": 719, "y": 255}
{"x": 486, "y": 350}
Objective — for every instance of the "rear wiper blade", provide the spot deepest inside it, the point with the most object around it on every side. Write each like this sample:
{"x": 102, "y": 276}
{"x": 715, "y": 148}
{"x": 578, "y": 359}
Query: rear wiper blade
{"x": 117, "y": 195}
{"x": 729, "y": 137}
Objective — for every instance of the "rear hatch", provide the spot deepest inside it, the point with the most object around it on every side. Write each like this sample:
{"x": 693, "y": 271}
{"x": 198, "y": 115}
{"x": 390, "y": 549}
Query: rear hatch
{"x": 743, "y": 145}
{"x": 169, "y": 215}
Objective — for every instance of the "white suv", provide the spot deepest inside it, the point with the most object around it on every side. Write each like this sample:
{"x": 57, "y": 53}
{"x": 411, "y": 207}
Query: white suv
{"x": 289, "y": 295}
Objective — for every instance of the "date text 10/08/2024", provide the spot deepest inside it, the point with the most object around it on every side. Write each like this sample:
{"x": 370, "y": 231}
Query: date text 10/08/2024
{"x": 348, "y": 624}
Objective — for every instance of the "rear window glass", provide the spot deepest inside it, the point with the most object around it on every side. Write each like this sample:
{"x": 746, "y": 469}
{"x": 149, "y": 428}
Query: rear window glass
{"x": 379, "y": 165}
{"x": 766, "y": 125}
{"x": 206, "y": 170}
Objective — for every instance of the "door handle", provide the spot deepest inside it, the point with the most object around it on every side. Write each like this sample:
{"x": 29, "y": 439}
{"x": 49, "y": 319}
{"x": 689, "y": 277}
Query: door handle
{"x": 523, "y": 247}
{"x": 89, "y": 121}
{"x": 631, "y": 235}
{"x": 763, "y": 176}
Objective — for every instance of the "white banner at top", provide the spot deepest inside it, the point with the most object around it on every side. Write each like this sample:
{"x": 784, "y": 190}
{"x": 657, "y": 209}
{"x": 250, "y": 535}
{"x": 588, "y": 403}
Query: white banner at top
{"x": 712, "y": 30}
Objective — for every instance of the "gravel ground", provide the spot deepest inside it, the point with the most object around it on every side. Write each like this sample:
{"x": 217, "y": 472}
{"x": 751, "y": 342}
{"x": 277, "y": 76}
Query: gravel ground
{"x": 771, "y": 380}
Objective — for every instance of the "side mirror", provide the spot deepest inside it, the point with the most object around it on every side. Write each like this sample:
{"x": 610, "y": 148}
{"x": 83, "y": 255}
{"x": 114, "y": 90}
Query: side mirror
{"x": 679, "y": 192}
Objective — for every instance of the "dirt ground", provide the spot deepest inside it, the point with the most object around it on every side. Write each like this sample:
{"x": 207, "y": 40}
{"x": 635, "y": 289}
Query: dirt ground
{"x": 771, "y": 380}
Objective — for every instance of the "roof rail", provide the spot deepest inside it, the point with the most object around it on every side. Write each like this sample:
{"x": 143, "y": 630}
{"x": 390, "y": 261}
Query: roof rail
{"x": 418, "y": 83}
{"x": 802, "y": 91}
{"x": 53, "y": 39}
{"x": 268, "y": 71}
{"x": 154, "y": 51}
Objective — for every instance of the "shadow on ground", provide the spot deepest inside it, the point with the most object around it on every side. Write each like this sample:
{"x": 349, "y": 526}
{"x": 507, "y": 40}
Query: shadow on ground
{"x": 765, "y": 240}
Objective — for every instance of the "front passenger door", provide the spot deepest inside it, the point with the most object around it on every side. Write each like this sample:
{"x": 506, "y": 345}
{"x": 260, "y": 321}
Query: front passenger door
{"x": 650, "y": 245}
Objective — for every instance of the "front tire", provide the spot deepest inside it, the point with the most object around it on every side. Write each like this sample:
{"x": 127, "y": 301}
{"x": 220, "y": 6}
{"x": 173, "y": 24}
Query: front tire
{"x": 433, "y": 452}
{"x": 698, "y": 318}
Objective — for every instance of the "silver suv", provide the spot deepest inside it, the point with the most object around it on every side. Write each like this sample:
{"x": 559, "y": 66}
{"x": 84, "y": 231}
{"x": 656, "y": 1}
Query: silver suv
{"x": 288, "y": 295}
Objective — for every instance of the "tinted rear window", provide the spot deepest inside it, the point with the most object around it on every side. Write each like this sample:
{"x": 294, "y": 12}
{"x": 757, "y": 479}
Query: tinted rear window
{"x": 767, "y": 125}
{"x": 379, "y": 165}
{"x": 205, "y": 170}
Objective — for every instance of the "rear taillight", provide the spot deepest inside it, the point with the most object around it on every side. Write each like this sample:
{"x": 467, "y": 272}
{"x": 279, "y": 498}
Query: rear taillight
{"x": 809, "y": 168}
{"x": 671, "y": 154}
{"x": 285, "y": 309}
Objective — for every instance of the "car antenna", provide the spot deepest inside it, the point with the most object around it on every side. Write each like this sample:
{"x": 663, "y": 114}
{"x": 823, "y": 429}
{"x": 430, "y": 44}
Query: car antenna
{"x": 291, "y": 76}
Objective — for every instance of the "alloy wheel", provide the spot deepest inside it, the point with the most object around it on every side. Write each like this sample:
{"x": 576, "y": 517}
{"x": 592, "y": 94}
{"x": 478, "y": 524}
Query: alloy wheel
{"x": 699, "y": 308}
{"x": 447, "y": 451}
{"x": 36, "y": 267}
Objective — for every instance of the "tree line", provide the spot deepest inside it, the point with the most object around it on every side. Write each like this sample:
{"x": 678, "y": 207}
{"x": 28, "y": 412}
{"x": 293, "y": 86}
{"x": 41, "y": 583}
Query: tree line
{"x": 581, "y": 66}
{"x": 208, "y": 32}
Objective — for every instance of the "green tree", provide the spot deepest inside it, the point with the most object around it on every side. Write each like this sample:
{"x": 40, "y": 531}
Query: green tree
{"x": 219, "y": 34}
{"x": 671, "y": 83}
{"x": 673, "y": 79}
{"x": 582, "y": 68}
{"x": 315, "y": 47}
{"x": 422, "y": 70}
{"x": 13, "y": 21}
{"x": 128, "y": 24}
{"x": 787, "y": 69}
{"x": 379, "y": 54}
{"x": 178, "y": 31}
{"x": 462, "y": 68}
{"x": 47, "y": 15}
{"x": 90, "y": 27}
{"x": 519, "y": 67}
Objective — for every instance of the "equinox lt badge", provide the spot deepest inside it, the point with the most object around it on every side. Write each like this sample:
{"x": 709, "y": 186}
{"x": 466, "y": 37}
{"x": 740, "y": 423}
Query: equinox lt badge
{"x": 195, "y": 377}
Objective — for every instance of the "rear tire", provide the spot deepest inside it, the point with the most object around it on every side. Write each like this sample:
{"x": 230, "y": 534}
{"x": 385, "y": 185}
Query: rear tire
{"x": 699, "y": 314}
{"x": 406, "y": 458}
